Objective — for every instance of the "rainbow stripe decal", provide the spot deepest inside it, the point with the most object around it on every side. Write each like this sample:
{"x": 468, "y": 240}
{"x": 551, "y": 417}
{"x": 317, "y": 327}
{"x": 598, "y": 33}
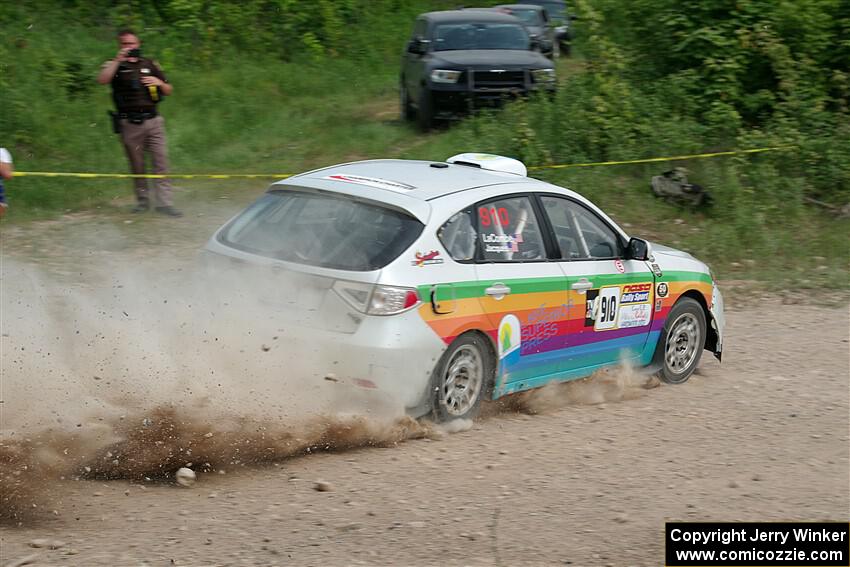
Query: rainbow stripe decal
{"x": 543, "y": 330}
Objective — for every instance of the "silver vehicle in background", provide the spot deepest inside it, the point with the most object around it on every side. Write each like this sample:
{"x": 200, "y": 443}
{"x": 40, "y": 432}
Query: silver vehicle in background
{"x": 560, "y": 19}
{"x": 536, "y": 21}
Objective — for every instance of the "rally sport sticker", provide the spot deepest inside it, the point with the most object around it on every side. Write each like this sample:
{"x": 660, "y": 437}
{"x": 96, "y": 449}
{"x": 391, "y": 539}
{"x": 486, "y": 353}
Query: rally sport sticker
{"x": 619, "y": 307}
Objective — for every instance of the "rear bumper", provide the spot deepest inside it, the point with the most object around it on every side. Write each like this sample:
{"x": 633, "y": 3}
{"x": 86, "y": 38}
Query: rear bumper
{"x": 387, "y": 360}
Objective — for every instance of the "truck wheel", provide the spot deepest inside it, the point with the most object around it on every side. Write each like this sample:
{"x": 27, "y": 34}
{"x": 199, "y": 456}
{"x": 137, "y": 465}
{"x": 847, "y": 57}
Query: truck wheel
{"x": 425, "y": 112}
{"x": 407, "y": 112}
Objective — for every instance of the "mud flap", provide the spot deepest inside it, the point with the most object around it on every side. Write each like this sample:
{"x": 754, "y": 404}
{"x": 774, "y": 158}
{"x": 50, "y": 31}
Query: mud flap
{"x": 718, "y": 321}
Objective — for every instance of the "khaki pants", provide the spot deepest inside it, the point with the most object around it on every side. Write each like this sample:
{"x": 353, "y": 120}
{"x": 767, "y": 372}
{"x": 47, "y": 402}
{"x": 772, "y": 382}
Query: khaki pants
{"x": 149, "y": 136}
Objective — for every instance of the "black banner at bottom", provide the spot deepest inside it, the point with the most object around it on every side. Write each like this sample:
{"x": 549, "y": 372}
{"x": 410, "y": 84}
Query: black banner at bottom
{"x": 757, "y": 544}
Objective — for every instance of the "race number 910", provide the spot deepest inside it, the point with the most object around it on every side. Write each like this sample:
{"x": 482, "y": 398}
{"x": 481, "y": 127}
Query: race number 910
{"x": 606, "y": 315}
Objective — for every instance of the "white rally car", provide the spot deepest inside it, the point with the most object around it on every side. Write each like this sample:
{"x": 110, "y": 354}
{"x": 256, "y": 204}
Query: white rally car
{"x": 442, "y": 284}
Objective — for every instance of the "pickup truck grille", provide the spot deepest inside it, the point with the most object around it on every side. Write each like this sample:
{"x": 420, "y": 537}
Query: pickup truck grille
{"x": 499, "y": 79}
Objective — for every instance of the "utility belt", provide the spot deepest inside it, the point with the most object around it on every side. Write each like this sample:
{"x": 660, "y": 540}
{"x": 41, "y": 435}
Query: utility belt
{"x": 137, "y": 117}
{"x": 133, "y": 116}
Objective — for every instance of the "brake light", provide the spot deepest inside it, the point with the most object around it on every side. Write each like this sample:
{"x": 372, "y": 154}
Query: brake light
{"x": 411, "y": 299}
{"x": 379, "y": 299}
{"x": 389, "y": 300}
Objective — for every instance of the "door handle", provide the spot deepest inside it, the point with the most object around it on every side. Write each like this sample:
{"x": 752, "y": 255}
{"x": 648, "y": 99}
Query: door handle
{"x": 582, "y": 285}
{"x": 497, "y": 291}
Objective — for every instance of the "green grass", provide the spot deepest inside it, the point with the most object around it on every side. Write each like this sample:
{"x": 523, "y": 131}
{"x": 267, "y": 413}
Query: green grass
{"x": 258, "y": 114}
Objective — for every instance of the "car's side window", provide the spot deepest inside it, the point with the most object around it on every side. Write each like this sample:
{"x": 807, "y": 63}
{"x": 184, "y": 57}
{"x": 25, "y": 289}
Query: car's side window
{"x": 458, "y": 236}
{"x": 508, "y": 231}
{"x": 580, "y": 234}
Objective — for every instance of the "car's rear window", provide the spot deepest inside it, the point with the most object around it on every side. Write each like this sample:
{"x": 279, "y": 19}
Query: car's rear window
{"x": 556, "y": 10}
{"x": 322, "y": 230}
{"x": 527, "y": 15}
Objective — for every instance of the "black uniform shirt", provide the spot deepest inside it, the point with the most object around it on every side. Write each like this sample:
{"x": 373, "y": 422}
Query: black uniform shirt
{"x": 128, "y": 91}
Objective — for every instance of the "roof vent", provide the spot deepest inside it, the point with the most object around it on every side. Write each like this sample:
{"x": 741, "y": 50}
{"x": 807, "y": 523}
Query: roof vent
{"x": 490, "y": 162}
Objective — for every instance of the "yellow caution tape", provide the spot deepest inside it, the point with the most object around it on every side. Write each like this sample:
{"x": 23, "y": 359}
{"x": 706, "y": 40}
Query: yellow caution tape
{"x": 656, "y": 159}
{"x": 285, "y": 175}
{"x": 153, "y": 175}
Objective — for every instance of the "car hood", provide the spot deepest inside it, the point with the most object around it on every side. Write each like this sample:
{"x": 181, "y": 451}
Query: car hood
{"x": 667, "y": 251}
{"x": 492, "y": 59}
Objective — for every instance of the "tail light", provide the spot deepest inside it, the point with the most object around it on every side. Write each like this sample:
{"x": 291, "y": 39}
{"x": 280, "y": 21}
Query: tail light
{"x": 379, "y": 299}
{"x": 388, "y": 300}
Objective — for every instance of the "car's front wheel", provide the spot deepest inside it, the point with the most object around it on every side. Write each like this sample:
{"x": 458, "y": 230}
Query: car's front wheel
{"x": 682, "y": 341}
{"x": 462, "y": 379}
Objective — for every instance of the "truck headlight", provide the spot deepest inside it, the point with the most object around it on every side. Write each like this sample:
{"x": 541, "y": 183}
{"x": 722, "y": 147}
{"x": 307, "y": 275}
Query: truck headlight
{"x": 543, "y": 75}
{"x": 445, "y": 76}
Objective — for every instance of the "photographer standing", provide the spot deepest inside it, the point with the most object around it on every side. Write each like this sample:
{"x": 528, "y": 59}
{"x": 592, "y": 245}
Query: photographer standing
{"x": 138, "y": 85}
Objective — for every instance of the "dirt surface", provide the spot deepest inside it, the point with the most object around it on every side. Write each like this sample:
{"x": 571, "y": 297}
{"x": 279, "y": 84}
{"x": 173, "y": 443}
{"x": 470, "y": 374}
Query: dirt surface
{"x": 764, "y": 436}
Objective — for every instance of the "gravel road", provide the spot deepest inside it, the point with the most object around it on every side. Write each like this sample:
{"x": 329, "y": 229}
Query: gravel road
{"x": 761, "y": 437}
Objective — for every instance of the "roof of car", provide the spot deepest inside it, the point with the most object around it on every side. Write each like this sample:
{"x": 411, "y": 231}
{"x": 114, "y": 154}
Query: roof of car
{"x": 422, "y": 180}
{"x": 479, "y": 15}
{"x": 535, "y": 7}
{"x": 410, "y": 184}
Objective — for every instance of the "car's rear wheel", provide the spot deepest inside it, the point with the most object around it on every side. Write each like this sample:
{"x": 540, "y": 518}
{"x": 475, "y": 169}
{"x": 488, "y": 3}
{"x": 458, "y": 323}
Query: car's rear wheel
{"x": 462, "y": 378}
{"x": 682, "y": 341}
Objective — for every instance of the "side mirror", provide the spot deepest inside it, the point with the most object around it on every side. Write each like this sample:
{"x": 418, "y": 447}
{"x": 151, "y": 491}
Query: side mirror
{"x": 639, "y": 249}
{"x": 418, "y": 46}
{"x": 534, "y": 44}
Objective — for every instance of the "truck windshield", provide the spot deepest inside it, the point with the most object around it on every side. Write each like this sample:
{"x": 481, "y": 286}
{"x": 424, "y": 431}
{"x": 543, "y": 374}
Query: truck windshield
{"x": 470, "y": 35}
{"x": 322, "y": 230}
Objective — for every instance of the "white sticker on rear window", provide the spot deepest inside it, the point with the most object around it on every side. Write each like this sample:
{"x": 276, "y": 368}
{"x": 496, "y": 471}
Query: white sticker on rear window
{"x": 371, "y": 182}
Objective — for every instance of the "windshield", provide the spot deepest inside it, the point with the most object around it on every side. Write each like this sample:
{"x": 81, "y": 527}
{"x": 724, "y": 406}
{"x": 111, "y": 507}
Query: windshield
{"x": 469, "y": 35}
{"x": 322, "y": 230}
{"x": 528, "y": 16}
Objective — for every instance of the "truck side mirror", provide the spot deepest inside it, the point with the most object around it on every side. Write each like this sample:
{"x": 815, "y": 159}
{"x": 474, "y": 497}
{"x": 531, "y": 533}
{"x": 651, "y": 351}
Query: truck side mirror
{"x": 418, "y": 46}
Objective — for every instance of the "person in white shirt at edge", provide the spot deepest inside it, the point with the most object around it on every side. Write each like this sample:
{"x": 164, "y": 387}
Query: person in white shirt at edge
{"x": 6, "y": 171}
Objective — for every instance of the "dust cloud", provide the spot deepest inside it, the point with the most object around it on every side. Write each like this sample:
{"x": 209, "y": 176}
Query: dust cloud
{"x": 607, "y": 385}
{"x": 132, "y": 370}
{"x": 135, "y": 370}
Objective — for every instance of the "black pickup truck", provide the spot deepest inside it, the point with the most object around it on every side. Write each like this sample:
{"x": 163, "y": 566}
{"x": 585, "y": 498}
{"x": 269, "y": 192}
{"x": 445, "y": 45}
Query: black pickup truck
{"x": 460, "y": 60}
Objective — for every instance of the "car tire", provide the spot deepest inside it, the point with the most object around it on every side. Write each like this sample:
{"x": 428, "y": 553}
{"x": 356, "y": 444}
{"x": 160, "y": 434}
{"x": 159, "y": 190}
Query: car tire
{"x": 407, "y": 112}
{"x": 682, "y": 342}
{"x": 566, "y": 49}
{"x": 425, "y": 110}
{"x": 462, "y": 379}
